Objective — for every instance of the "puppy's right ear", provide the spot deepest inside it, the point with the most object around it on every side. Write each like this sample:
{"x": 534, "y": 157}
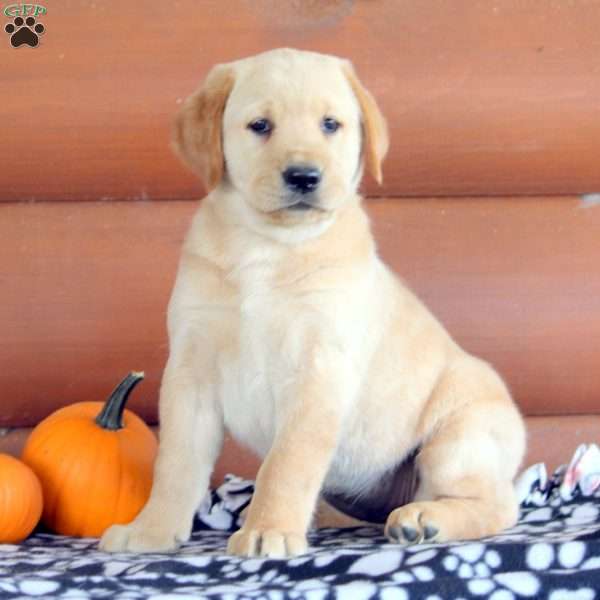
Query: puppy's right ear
{"x": 197, "y": 135}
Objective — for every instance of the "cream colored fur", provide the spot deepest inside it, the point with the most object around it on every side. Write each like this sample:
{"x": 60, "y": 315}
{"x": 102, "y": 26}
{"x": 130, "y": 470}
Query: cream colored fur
{"x": 286, "y": 328}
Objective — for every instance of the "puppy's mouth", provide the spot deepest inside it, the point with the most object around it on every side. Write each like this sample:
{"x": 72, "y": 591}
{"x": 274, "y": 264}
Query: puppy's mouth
{"x": 302, "y": 203}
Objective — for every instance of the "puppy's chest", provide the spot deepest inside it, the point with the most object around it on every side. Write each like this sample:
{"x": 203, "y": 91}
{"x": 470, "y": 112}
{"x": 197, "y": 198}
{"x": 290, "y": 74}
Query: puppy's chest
{"x": 253, "y": 375}
{"x": 276, "y": 323}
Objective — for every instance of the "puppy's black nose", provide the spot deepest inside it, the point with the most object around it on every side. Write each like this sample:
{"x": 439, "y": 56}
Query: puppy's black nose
{"x": 302, "y": 179}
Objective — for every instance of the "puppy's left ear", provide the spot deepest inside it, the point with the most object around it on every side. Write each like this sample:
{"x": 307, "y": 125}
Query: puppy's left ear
{"x": 376, "y": 140}
{"x": 197, "y": 132}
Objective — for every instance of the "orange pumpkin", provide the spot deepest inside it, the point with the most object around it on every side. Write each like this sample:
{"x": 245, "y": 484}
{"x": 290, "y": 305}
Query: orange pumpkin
{"x": 94, "y": 462}
{"x": 20, "y": 500}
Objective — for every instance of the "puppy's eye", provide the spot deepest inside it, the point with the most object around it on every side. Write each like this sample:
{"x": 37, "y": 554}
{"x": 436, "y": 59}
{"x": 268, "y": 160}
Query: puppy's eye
{"x": 330, "y": 125}
{"x": 261, "y": 126}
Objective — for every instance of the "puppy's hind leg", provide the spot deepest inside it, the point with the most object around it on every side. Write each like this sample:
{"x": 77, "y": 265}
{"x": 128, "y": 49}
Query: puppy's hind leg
{"x": 474, "y": 443}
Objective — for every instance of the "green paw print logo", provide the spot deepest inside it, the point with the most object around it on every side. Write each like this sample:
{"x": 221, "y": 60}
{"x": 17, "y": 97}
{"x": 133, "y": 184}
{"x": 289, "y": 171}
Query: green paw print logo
{"x": 24, "y": 29}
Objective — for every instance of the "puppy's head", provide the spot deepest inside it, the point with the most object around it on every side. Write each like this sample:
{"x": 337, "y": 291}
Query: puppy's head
{"x": 288, "y": 129}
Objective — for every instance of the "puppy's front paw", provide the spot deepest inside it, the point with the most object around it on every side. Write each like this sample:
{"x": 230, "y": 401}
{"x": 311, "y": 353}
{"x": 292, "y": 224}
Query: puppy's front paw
{"x": 269, "y": 543}
{"x": 138, "y": 538}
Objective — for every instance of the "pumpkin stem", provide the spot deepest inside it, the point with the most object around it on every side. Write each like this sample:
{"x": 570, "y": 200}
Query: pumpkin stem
{"x": 111, "y": 416}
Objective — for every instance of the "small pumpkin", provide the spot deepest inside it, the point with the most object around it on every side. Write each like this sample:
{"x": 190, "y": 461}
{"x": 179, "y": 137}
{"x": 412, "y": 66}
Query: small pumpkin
{"x": 94, "y": 462}
{"x": 20, "y": 500}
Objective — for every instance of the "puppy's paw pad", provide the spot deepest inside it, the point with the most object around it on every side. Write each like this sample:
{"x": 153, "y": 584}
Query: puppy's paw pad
{"x": 413, "y": 524}
{"x": 410, "y": 534}
{"x": 404, "y": 534}
{"x": 268, "y": 543}
{"x": 430, "y": 532}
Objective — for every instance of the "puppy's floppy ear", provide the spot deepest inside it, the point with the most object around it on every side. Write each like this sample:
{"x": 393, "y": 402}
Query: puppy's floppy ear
{"x": 197, "y": 132}
{"x": 376, "y": 140}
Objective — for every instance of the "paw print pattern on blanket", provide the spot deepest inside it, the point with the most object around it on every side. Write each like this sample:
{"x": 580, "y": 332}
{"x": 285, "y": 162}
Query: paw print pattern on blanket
{"x": 556, "y": 559}
{"x": 552, "y": 554}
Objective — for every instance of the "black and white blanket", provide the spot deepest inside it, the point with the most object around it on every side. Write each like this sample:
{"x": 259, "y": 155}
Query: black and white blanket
{"x": 552, "y": 553}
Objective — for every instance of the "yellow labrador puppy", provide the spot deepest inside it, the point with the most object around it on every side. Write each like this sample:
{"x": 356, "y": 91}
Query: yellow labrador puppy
{"x": 287, "y": 328}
